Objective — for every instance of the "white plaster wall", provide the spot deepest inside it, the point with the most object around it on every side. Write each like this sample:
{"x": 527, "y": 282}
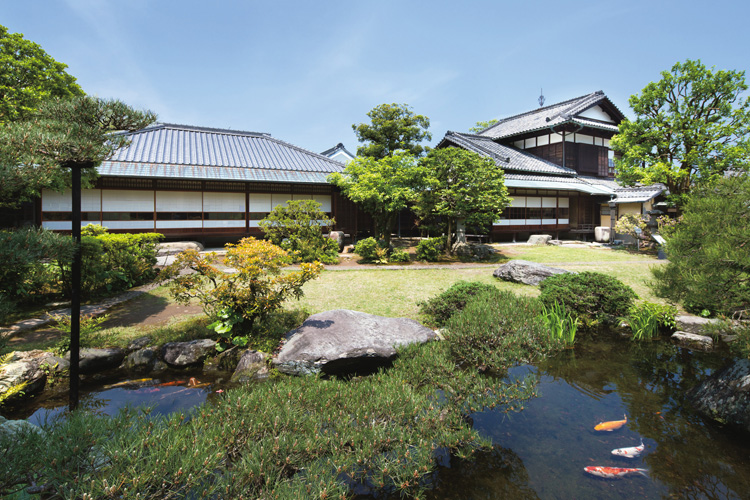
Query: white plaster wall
{"x": 223, "y": 202}
{"x": 116, "y": 200}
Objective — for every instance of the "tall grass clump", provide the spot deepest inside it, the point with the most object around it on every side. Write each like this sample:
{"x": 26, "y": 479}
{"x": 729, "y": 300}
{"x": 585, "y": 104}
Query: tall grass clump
{"x": 562, "y": 323}
{"x": 648, "y": 318}
{"x": 497, "y": 330}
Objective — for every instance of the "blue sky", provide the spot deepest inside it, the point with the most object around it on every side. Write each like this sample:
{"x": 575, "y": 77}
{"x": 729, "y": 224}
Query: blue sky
{"x": 305, "y": 71}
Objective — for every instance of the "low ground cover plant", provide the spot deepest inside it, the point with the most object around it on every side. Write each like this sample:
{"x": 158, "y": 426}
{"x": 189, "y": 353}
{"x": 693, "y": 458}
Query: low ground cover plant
{"x": 294, "y": 438}
{"x": 499, "y": 329}
{"x": 595, "y": 298}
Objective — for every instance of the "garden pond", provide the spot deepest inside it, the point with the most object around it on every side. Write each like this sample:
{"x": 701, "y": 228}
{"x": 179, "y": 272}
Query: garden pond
{"x": 541, "y": 452}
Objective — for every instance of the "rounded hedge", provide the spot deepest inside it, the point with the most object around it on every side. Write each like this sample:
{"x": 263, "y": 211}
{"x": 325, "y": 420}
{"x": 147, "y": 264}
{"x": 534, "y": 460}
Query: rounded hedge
{"x": 594, "y": 297}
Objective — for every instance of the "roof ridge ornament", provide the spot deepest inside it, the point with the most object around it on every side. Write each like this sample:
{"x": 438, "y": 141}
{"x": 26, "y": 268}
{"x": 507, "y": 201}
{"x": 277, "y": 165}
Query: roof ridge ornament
{"x": 541, "y": 98}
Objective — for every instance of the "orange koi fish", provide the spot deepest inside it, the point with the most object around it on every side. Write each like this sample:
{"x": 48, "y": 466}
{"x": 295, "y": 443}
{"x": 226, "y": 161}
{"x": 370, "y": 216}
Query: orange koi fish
{"x": 169, "y": 384}
{"x": 128, "y": 382}
{"x": 611, "y": 425}
{"x": 194, "y": 382}
{"x": 613, "y": 472}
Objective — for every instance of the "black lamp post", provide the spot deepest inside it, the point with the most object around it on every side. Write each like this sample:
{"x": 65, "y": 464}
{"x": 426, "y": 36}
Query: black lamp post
{"x": 612, "y": 220}
{"x": 75, "y": 271}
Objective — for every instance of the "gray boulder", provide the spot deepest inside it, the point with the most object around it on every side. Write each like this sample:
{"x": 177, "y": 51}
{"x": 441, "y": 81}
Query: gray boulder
{"x": 539, "y": 239}
{"x": 95, "y": 360}
{"x": 693, "y": 324}
{"x": 183, "y": 354}
{"x": 225, "y": 361}
{"x": 523, "y": 271}
{"x": 18, "y": 427}
{"x": 342, "y": 340}
{"x": 725, "y": 395}
{"x": 252, "y": 366}
{"x": 144, "y": 360}
{"x": 472, "y": 251}
{"x": 693, "y": 341}
{"x": 29, "y": 367}
{"x": 338, "y": 237}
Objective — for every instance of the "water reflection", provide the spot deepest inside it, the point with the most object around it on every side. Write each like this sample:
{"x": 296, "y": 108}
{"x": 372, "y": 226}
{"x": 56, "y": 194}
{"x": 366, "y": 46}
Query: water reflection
{"x": 554, "y": 438}
{"x": 162, "y": 396}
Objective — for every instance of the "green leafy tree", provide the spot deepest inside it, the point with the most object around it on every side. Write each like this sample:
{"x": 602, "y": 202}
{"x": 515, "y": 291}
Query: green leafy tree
{"x": 235, "y": 301}
{"x": 394, "y": 127}
{"x": 462, "y": 187}
{"x": 38, "y": 152}
{"x": 297, "y": 226}
{"x": 29, "y": 75}
{"x": 691, "y": 126}
{"x": 709, "y": 250}
{"x": 381, "y": 187}
{"x": 483, "y": 125}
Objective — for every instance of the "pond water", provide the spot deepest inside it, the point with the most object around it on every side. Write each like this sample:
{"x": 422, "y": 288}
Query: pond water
{"x": 541, "y": 452}
{"x": 164, "y": 395}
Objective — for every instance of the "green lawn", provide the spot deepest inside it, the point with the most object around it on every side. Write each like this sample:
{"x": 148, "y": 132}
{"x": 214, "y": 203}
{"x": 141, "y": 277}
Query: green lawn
{"x": 396, "y": 293}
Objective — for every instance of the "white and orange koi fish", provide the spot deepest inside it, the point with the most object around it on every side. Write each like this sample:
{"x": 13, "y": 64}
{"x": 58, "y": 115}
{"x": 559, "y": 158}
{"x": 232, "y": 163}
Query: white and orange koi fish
{"x": 611, "y": 425}
{"x": 631, "y": 452}
{"x": 613, "y": 472}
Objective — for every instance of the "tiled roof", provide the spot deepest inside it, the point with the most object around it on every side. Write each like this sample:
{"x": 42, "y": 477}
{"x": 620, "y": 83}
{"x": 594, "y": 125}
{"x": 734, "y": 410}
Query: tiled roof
{"x": 559, "y": 183}
{"x": 162, "y": 170}
{"x": 207, "y": 153}
{"x": 510, "y": 158}
{"x": 338, "y": 147}
{"x": 550, "y": 116}
{"x": 638, "y": 194}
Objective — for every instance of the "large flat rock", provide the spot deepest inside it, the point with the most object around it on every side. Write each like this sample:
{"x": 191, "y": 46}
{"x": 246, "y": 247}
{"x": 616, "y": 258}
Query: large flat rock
{"x": 526, "y": 272}
{"x": 343, "y": 341}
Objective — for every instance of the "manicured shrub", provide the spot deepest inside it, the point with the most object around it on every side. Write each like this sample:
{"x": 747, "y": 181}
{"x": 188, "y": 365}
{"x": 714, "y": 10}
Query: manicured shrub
{"x": 234, "y": 301}
{"x": 497, "y": 330}
{"x": 297, "y": 226}
{"x": 111, "y": 263}
{"x": 26, "y": 273}
{"x": 367, "y": 249}
{"x": 437, "y": 310}
{"x": 431, "y": 249}
{"x": 593, "y": 297}
{"x": 399, "y": 255}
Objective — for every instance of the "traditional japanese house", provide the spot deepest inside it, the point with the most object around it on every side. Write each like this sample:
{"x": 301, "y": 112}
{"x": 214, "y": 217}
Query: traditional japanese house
{"x": 558, "y": 166}
{"x": 200, "y": 183}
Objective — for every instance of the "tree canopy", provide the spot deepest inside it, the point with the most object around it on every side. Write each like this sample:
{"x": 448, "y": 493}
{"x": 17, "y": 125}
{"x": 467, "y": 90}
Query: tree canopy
{"x": 382, "y": 187}
{"x": 709, "y": 259}
{"x": 691, "y": 127}
{"x": 482, "y": 125}
{"x": 38, "y": 151}
{"x": 461, "y": 187}
{"x": 28, "y": 75}
{"x": 393, "y": 127}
